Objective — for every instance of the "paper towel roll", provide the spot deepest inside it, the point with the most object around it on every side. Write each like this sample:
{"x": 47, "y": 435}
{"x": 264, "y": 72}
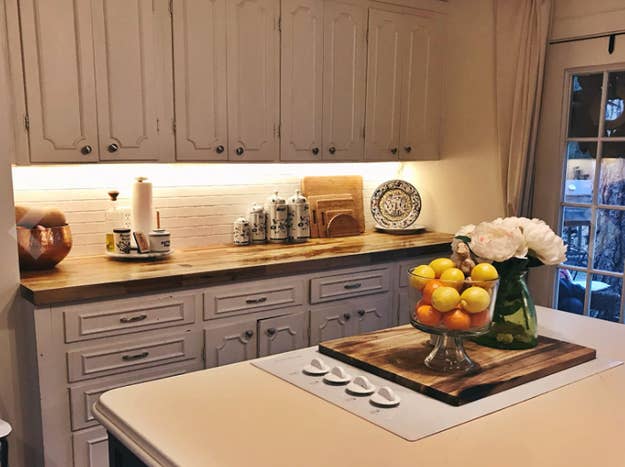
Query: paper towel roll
{"x": 142, "y": 211}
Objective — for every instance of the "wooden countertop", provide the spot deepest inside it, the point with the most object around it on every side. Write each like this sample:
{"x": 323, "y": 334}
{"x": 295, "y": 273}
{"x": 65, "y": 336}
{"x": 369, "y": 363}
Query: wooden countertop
{"x": 239, "y": 415}
{"x": 96, "y": 277}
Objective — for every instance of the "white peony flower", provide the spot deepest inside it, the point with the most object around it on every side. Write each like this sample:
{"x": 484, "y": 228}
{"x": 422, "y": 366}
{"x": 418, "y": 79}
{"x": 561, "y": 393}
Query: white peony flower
{"x": 497, "y": 241}
{"x": 544, "y": 243}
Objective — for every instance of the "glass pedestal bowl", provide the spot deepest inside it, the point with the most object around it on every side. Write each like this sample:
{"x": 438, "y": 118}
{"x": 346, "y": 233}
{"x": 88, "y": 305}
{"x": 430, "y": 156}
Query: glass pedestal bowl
{"x": 470, "y": 317}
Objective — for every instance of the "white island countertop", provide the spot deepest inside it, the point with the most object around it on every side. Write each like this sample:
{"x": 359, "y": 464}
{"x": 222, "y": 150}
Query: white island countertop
{"x": 239, "y": 415}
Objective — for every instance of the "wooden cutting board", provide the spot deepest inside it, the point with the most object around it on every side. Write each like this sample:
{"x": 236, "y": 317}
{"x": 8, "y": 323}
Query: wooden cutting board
{"x": 397, "y": 354}
{"x": 351, "y": 184}
{"x": 318, "y": 220}
{"x": 342, "y": 225}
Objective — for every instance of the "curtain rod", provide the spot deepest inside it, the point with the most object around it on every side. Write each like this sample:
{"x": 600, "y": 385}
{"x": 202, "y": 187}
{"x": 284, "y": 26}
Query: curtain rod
{"x": 587, "y": 38}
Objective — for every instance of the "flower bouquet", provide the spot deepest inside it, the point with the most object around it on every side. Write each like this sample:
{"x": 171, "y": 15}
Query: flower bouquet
{"x": 512, "y": 245}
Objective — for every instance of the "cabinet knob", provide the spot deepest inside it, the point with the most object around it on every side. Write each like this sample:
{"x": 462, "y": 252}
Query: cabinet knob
{"x": 113, "y": 147}
{"x": 347, "y": 316}
{"x": 408, "y": 149}
{"x": 315, "y": 151}
{"x": 332, "y": 149}
{"x": 248, "y": 334}
{"x": 361, "y": 312}
{"x": 219, "y": 149}
{"x": 271, "y": 331}
{"x": 86, "y": 150}
{"x": 240, "y": 151}
{"x": 394, "y": 151}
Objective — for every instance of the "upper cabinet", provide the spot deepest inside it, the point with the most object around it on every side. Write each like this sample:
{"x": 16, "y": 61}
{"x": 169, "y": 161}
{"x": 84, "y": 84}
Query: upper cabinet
{"x": 323, "y": 80}
{"x": 404, "y": 86}
{"x": 98, "y": 80}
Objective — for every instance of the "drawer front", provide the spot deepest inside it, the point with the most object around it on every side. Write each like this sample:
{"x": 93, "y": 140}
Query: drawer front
{"x": 351, "y": 284}
{"x": 122, "y": 357}
{"x": 115, "y": 317}
{"x": 405, "y": 266}
{"x": 241, "y": 299}
{"x": 84, "y": 395}
{"x": 91, "y": 448}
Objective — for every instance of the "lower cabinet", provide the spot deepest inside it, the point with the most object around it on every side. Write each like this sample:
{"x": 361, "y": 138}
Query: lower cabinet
{"x": 348, "y": 317}
{"x": 282, "y": 334}
{"x": 91, "y": 448}
{"x": 404, "y": 310}
{"x": 230, "y": 343}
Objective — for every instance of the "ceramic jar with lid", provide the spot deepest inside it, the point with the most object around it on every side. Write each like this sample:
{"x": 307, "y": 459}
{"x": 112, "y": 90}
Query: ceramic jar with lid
{"x": 160, "y": 241}
{"x": 258, "y": 224}
{"x": 277, "y": 217}
{"x": 241, "y": 232}
{"x": 298, "y": 218}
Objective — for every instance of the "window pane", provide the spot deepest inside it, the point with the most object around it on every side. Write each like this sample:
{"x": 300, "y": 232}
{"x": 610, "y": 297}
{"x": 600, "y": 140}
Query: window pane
{"x": 585, "y": 105}
{"x": 612, "y": 175}
{"x": 580, "y": 171}
{"x": 571, "y": 291}
{"x": 576, "y": 234}
{"x": 609, "y": 240}
{"x": 615, "y": 105}
{"x": 605, "y": 298}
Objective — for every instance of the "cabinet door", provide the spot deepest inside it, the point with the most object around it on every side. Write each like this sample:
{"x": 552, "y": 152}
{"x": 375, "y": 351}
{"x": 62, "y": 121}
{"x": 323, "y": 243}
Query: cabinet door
{"x": 302, "y": 79}
{"x": 404, "y": 312}
{"x": 200, "y": 79}
{"x": 59, "y": 78}
{"x": 282, "y": 334}
{"x": 230, "y": 344}
{"x": 131, "y": 44}
{"x": 253, "y": 80}
{"x": 375, "y": 313}
{"x": 91, "y": 448}
{"x": 384, "y": 85}
{"x": 330, "y": 322}
{"x": 422, "y": 79}
{"x": 344, "y": 73}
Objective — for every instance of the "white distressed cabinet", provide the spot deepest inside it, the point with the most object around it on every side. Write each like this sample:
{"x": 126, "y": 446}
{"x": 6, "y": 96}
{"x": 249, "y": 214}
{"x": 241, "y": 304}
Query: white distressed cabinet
{"x": 404, "y": 86}
{"x": 98, "y": 80}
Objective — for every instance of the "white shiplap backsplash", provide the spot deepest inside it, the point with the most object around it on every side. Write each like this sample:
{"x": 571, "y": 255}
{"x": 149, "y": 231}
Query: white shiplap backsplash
{"x": 197, "y": 202}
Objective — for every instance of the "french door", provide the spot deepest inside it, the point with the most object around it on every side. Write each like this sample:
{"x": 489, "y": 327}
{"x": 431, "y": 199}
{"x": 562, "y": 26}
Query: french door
{"x": 580, "y": 177}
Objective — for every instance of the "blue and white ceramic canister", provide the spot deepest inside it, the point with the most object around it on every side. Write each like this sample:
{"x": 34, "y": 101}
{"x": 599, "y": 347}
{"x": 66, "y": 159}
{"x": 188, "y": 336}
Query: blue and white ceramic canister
{"x": 277, "y": 216}
{"x": 241, "y": 232}
{"x": 299, "y": 218}
{"x": 258, "y": 224}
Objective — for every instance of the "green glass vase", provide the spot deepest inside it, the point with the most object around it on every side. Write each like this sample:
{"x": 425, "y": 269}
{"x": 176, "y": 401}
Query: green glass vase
{"x": 514, "y": 324}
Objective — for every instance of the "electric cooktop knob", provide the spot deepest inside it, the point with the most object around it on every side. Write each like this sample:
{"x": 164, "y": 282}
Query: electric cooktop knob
{"x": 361, "y": 386}
{"x": 337, "y": 375}
{"x": 385, "y": 397}
{"x": 316, "y": 367}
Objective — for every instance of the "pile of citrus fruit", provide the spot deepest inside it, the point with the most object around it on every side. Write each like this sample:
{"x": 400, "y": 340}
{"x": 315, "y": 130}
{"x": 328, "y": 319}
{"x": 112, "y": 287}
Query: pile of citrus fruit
{"x": 451, "y": 301}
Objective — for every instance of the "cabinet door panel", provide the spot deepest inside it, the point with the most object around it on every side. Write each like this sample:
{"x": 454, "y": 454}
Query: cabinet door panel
{"x": 376, "y": 313}
{"x": 230, "y": 344}
{"x": 330, "y": 322}
{"x": 344, "y": 81}
{"x": 91, "y": 448}
{"x": 130, "y": 79}
{"x": 421, "y": 88}
{"x": 282, "y": 334}
{"x": 200, "y": 72}
{"x": 384, "y": 85}
{"x": 302, "y": 79}
{"x": 59, "y": 77}
{"x": 253, "y": 79}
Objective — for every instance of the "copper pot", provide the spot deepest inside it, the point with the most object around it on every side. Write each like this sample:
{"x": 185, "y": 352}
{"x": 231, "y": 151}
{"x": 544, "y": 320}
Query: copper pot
{"x": 43, "y": 248}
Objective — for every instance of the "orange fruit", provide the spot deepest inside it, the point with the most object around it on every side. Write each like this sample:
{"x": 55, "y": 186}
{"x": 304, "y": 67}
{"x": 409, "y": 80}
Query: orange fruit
{"x": 481, "y": 319}
{"x": 426, "y": 314}
{"x": 457, "y": 320}
{"x": 429, "y": 289}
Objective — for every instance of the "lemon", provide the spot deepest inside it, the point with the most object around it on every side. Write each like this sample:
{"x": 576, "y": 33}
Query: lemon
{"x": 441, "y": 264}
{"x": 453, "y": 277}
{"x": 484, "y": 272}
{"x": 474, "y": 299}
{"x": 445, "y": 298}
{"x": 420, "y": 276}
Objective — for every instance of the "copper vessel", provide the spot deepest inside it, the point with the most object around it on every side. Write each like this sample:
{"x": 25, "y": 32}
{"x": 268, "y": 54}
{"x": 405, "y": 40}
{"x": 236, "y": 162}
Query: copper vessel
{"x": 43, "y": 248}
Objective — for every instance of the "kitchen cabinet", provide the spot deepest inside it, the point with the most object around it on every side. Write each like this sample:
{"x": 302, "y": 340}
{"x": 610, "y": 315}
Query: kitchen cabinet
{"x": 230, "y": 343}
{"x": 199, "y": 28}
{"x": 91, "y": 448}
{"x": 282, "y": 334}
{"x": 323, "y": 80}
{"x": 253, "y": 64}
{"x": 404, "y": 79}
{"x": 98, "y": 80}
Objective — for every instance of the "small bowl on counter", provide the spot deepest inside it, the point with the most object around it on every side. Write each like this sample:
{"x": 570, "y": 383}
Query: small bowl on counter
{"x": 43, "y": 247}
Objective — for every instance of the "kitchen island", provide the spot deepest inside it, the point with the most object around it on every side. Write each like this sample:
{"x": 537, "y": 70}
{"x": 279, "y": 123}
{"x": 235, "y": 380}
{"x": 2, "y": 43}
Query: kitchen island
{"x": 240, "y": 415}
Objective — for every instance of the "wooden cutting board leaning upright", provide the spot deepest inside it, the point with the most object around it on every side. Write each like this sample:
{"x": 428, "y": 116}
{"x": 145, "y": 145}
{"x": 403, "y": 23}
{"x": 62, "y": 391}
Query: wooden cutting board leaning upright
{"x": 336, "y": 186}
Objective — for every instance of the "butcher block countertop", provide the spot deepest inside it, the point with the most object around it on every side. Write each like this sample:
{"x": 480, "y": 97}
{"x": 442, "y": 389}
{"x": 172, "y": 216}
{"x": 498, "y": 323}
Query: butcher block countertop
{"x": 97, "y": 277}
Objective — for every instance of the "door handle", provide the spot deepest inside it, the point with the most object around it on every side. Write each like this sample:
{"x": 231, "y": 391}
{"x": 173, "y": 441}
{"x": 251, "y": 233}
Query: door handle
{"x": 85, "y": 150}
{"x": 271, "y": 332}
{"x": 137, "y": 356}
{"x": 361, "y": 313}
{"x": 347, "y": 316}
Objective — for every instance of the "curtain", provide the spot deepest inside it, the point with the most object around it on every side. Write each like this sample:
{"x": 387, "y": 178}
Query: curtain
{"x": 521, "y": 32}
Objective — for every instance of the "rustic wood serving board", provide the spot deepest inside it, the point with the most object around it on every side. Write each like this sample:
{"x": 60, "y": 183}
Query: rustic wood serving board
{"x": 397, "y": 354}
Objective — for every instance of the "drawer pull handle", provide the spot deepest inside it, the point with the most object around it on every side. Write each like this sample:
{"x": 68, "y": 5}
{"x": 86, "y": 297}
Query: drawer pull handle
{"x": 361, "y": 313}
{"x": 355, "y": 285}
{"x": 137, "y": 356}
{"x": 256, "y": 300}
{"x": 132, "y": 319}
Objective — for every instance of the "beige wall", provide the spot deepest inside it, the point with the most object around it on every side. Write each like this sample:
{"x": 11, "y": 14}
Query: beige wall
{"x": 583, "y": 18}
{"x": 464, "y": 186}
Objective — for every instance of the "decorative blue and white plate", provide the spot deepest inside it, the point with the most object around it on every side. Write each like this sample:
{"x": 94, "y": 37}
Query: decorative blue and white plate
{"x": 395, "y": 204}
